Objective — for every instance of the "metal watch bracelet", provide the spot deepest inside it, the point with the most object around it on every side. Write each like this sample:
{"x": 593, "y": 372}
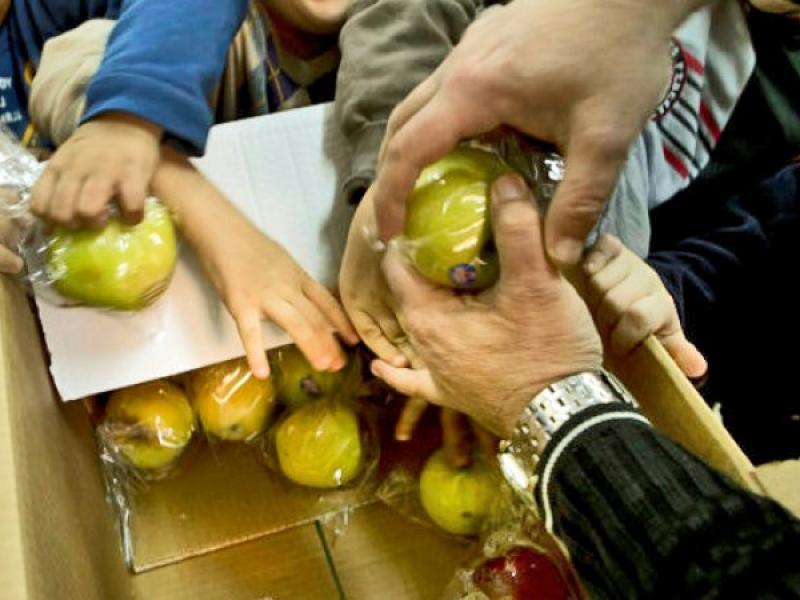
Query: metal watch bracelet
{"x": 549, "y": 410}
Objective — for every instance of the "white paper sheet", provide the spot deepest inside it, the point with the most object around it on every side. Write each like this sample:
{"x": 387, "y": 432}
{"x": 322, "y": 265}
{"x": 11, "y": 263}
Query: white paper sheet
{"x": 281, "y": 170}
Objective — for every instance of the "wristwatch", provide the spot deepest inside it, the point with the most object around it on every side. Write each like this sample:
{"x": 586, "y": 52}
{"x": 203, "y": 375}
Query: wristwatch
{"x": 549, "y": 410}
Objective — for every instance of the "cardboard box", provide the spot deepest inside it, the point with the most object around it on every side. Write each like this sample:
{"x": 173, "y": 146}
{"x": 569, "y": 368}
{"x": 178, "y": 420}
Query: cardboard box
{"x": 234, "y": 534}
{"x": 58, "y": 537}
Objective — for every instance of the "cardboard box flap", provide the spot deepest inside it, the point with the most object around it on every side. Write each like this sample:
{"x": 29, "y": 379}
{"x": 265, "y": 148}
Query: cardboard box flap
{"x": 223, "y": 496}
{"x": 781, "y": 481}
{"x": 69, "y": 546}
{"x": 282, "y": 171}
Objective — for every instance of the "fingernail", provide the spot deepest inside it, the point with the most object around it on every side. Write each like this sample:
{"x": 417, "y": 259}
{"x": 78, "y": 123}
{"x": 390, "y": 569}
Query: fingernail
{"x": 373, "y": 369}
{"x": 590, "y": 266}
{"x": 567, "y": 251}
{"x": 337, "y": 363}
{"x": 402, "y": 437}
{"x": 261, "y": 373}
{"x": 508, "y": 188}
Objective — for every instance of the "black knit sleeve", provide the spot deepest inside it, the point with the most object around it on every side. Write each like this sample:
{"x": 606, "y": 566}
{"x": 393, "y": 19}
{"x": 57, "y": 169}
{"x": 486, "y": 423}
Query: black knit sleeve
{"x": 643, "y": 518}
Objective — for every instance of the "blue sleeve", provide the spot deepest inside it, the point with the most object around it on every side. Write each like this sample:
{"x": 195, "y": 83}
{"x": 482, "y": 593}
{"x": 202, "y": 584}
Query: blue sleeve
{"x": 704, "y": 247}
{"x": 163, "y": 61}
{"x": 36, "y": 21}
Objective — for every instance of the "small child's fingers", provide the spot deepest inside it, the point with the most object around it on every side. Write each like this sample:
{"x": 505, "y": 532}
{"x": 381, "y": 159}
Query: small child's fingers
{"x": 10, "y": 263}
{"x": 606, "y": 249}
{"x": 618, "y": 301}
{"x": 131, "y": 197}
{"x": 93, "y": 200}
{"x": 61, "y": 209}
{"x": 686, "y": 355}
{"x": 612, "y": 275}
{"x": 414, "y": 383}
{"x": 412, "y": 412}
{"x": 333, "y": 311}
{"x": 249, "y": 325}
{"x": 373, "y": 336}
{"x": 639, "y": 320}
{"x": 43, "y": 190}
{"x": 456, "y": 438}
{"x": 308, "y": 331}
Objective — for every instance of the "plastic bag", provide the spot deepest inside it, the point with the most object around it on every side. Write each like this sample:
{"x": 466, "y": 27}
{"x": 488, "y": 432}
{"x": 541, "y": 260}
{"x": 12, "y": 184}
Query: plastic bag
{"x": 448, "y": 235}
{"x": 230, "y": 402}
{"x": 322, "y": 439}
{"x": 459, "y": 501}
{"x": 145, "y": 430}
{"x": 118, "y": 267}
{"x": 516, "y": 560}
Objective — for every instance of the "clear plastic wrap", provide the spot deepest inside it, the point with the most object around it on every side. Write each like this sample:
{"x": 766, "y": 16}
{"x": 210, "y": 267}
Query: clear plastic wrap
{"x": 459, "y": 501}
{"x": 448, "y": 235}
{"x": 321, "y": 440}
{"x": 119, "y": 267}
{"x": 230, "y": 402}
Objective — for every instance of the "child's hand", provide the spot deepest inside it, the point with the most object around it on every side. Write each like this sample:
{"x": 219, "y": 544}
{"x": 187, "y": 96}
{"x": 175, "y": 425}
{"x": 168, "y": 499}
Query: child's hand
{"x": 110, "y": 158}
{"x": 368, "y": 303}
{"x": 254, "y": 276}
{"x": 629, "y": 302}
{"x": 365, "y": 296}
{"x": 10, "y": 263}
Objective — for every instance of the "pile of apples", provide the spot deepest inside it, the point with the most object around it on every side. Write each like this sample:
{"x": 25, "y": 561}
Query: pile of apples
{"x": 318, "y": 439}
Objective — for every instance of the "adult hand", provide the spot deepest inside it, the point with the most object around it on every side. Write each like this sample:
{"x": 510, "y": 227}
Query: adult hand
{"x": 488, "y": 355}
{"x": 584, "y": 75}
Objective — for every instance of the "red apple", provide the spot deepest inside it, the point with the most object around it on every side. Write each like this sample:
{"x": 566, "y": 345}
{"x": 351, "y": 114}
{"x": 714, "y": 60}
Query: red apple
{"x": 521, "y": 574}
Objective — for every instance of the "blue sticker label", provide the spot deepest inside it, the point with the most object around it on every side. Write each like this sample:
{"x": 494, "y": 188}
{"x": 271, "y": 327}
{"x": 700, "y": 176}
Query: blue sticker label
{"x": 463, "y": 275}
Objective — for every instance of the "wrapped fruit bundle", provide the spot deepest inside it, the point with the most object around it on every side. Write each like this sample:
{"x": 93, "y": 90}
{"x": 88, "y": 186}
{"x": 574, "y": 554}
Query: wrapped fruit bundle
{"x": 147, "y": 427}
{"x": 448, "y": 234}
{"x": 230, "y": 402}
{"x": 119, "y": 267}
{"x": 321, "y": 440}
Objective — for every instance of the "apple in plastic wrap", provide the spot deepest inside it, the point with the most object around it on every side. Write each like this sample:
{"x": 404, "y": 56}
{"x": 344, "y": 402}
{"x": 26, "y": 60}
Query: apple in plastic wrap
{"x": 448, "y": 234}
{"x": 521, "y": 574}
{"x": 320, "y": 445}
{"x": 298, "y": 383}
{"x": 458, "y": 499}
{"x": 230, "y": 402}
{"x": 149, "y": 424}
{"x": 123, "y": 267}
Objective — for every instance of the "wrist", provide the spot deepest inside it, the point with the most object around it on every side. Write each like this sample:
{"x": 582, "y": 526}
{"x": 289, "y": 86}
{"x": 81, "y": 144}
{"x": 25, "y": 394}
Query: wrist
{"x": 551, "y": 412}
{"x": 143, "y": 126}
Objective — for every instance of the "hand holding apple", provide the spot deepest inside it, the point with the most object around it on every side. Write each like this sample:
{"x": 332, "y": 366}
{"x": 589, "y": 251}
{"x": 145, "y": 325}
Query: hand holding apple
{"x": 123, "y": 267}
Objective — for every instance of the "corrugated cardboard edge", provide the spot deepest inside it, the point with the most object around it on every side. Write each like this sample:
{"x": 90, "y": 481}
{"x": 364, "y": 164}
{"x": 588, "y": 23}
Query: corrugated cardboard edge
{"x": 12, "y": 567}
{"x": 781, "y": 482}
{"x": 678, "y": 410}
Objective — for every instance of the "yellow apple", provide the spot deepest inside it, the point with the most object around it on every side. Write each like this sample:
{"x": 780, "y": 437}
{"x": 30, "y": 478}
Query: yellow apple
{"x": 123, "y": 267}
{"x": 298, "y": 383}
{"x": 457, "y": 500}
{"x": 150, "y": 424}
{"x": 448, "y": 231}
{"x": 230, "y": 402}
{"x": 319, "y": 445}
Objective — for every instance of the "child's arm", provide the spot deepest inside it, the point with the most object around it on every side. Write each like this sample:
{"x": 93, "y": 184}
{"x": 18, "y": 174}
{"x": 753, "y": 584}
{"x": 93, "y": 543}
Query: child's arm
{"x": 388, "y": 48}
{"x": 152, "y": 82}
{"x": 629, "y": 302}
{"x": 254, "y": 276}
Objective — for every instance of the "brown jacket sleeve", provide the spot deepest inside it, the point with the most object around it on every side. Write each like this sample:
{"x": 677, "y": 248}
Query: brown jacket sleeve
{"x": 388, "y": 47}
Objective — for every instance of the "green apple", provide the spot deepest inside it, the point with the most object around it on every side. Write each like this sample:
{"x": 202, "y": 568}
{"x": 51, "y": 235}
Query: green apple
{"x": 458, "y": 499}
{"x": 448, "y": 233}
{"x": 150, "y": 424}
{"x": 297, "y": 382}
{"x": 231, "y": 403}
{"x": 320, "y": 445}
{"x": 123, "y": 267}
